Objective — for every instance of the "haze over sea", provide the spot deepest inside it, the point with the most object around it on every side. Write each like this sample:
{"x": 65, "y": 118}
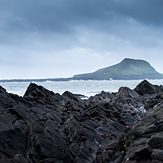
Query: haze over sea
{"x": 87, "y": 88}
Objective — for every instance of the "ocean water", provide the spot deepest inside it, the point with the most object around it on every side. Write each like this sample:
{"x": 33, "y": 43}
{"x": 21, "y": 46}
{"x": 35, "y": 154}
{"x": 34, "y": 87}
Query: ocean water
{"x": 87, "y": 88}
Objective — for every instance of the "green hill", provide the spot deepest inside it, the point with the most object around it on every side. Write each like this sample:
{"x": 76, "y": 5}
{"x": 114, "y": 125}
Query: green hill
{"x": 125, "y": 70}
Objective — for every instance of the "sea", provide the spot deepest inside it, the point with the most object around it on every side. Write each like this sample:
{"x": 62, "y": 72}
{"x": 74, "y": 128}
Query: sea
{"x": 87, "y": 88}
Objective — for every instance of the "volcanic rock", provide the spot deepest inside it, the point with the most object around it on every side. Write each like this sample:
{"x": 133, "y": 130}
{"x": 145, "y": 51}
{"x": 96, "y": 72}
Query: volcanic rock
{"x": 43, "y": 126}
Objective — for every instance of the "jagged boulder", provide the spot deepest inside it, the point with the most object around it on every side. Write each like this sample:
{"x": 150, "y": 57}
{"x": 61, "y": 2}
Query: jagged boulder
{"x": 146, "y": 88}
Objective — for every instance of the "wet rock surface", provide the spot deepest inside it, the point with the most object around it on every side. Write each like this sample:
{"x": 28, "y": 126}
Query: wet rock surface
{"x": 46, "y": 127}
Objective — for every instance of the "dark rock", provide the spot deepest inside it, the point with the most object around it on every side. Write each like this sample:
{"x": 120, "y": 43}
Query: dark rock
{"x": 157, "y": 154}
{"x": 124, "y": 91}
{"x": 146, "y": 88}
{"x": 81, "y": 96}
{"x": 141, "y": 152}
{"x": 156, "y": 141}
{"x": 45, "y": 127}
{"x": 71, "y": 96}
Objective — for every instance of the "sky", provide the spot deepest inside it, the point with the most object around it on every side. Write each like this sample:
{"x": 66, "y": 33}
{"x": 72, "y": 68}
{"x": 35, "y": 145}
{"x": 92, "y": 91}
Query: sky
{"x": 60, "y": 38}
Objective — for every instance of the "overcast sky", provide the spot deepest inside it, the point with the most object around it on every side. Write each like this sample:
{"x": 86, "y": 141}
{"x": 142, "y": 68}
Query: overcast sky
{"x": 60, "y": 38}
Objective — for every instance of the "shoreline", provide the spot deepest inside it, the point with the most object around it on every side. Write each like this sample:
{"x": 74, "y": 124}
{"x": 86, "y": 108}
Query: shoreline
{"x": 72, "y": 79}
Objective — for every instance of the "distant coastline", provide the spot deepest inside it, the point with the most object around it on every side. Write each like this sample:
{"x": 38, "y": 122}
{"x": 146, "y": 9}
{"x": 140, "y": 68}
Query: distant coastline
{"x": 127, "y": 69}
{"x": 36, "y": 80}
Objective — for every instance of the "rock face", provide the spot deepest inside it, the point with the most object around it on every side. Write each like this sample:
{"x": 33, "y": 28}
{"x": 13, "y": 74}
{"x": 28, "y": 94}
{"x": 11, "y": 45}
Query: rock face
{"x": 143, "y": 143}
{"x": 45, "y": 127}
{"x": 147, "y": 88}
{"x": 125, "y": 70}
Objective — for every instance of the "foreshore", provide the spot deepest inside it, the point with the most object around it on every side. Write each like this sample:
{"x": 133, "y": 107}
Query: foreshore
{"x": 46, "y": 127}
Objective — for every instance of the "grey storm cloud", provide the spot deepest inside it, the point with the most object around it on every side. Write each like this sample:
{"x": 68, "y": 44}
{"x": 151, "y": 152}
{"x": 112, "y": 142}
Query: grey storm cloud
{"x": 32, "y": 31}
{"x": 62, "y": 15}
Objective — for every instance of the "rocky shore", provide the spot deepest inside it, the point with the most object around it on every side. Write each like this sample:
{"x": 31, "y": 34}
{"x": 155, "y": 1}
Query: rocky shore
{"x": 46, "y": 127}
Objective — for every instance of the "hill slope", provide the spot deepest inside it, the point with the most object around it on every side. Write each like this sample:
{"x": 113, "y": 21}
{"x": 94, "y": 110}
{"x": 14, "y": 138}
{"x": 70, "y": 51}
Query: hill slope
{"x": 125, "y": 70}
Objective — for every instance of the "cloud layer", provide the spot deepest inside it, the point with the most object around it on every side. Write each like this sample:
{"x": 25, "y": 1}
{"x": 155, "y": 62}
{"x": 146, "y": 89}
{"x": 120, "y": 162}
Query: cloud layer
{"x": 56, "y": 38}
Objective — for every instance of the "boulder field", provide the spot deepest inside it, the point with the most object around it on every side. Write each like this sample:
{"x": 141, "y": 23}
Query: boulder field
{"x": 46, "y": 127}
